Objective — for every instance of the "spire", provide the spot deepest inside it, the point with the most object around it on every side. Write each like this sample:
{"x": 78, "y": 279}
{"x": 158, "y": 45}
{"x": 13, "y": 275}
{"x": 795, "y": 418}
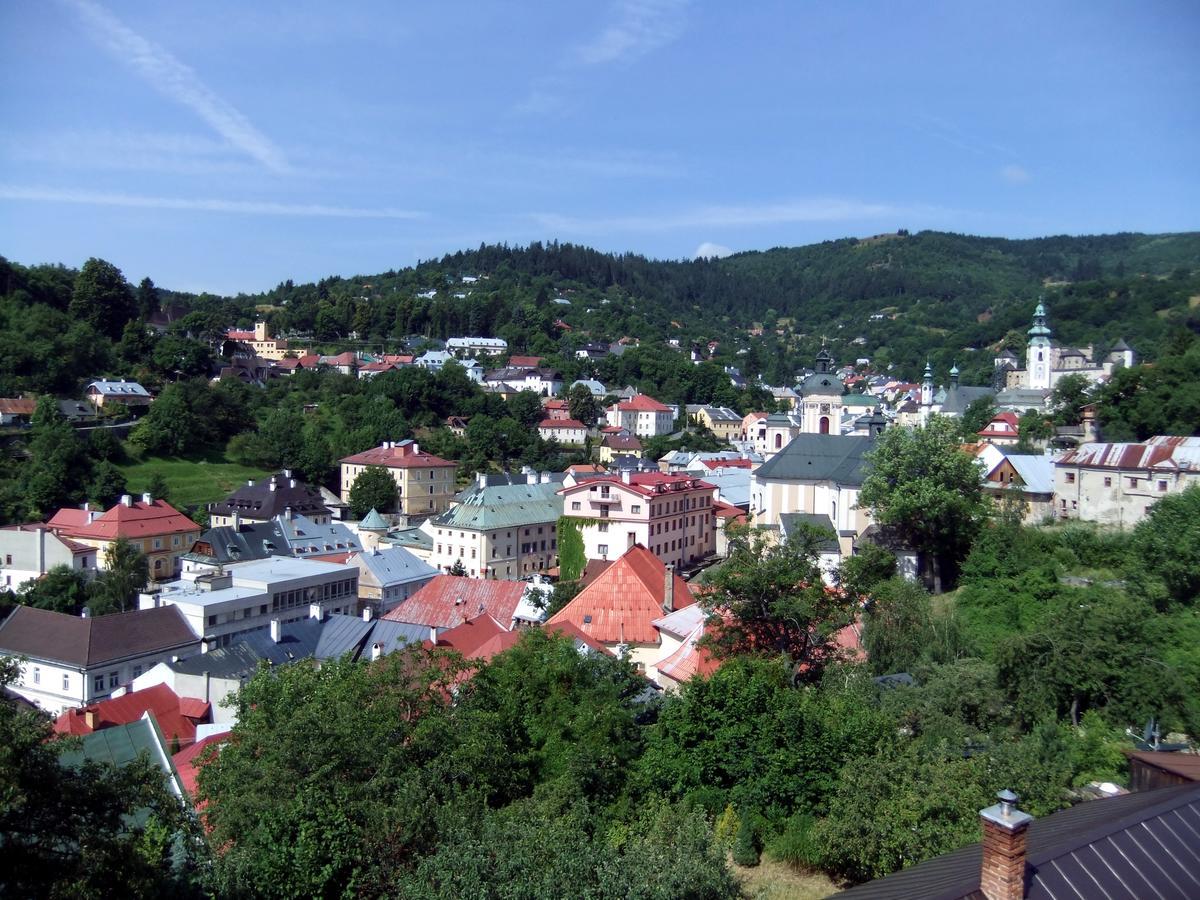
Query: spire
{"x": 1039, "y": 329}
{"x": 954, "y": 374}
{"x": 928, "y": 376}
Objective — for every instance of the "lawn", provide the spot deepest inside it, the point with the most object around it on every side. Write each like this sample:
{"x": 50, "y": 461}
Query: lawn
{"x": 192, "y": 481}
{"x": 773, "y": 880}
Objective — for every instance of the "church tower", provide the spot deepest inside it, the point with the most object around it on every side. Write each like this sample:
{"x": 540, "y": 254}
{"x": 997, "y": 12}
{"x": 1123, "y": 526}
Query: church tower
{"x": 927, "y": 385}
{"x": 1037, "y": 356}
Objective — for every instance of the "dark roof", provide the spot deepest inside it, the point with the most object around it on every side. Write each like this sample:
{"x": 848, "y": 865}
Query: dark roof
{"x": 259, "y": 501}
{"x": 1185, "y": 765}
{"x": 42, "y": 634}
{"x": 959, "y": 397}
{"x": 791, "y": 523}
{"x": 1122, "y": 848}
{"x": 820, "y": 457}
{"x": 226, "y": 544}
{"x": 821, "y": 383}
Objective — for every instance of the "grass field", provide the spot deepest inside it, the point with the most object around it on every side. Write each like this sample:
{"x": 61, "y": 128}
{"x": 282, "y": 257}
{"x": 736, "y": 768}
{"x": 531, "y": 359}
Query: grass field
{"x": 191, "y": 480}
{"x": 773, "y": 880}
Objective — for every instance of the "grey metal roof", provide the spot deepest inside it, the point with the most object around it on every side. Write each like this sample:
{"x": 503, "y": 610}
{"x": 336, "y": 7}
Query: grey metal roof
{"x": 410, "y": 537}
{"x": 733, "y": 485}
{"x": 959, "y": 397}
{"x": 1037, "y": 471}
{"x": 822, "y": 383}
{"x": 791, "y": 523}
{"x": 1144, "y": 844}
{"x": 394, "y": 565}
{"x": 820, "y": 457}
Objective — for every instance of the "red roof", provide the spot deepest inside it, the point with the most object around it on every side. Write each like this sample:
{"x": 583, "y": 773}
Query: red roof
{"x": 234, "y": 335}
{"x": 399, "y": 359}
{"x": 524, "y": 362}
{"x": 586, "y": 469}
{"x": 138, "y": 520}
{"x": 402, "y": 455}
{"x": 614, "y": 429}
{"x": 622, "y": 442}
{"x": 723, "y": 510}
{"x": 1007, "y": 418}
{"x": 479, "y": 638}
{"x": 642, "y": 403}
{"x": 189, "y": 760}
{"x": 342, "y": 359}
{"x": 689, "y": 659}
{"x": 648, "y": 484}
{"x": 450, "y": 600}
{"x": 625, "y": 599}
{"x": 561, "y": 423}
{"x": 177, "y": 717}
{"x": 553, "y": 403}
{"x": 711, "y": 464}
{"x": 17, "y": 406}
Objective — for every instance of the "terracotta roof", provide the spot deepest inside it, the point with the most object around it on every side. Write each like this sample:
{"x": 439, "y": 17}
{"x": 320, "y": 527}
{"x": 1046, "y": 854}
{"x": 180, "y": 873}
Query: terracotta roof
{"x": 138, "y": 520}
{"x": 450, "y": 600}
{"x": 177, "y": 717}
{"x": 96, "y": 640}
{"x": 586, "y": 469}
{"x": 648, "y": 484}
{"x": 342, "y": 359}
{"x": 17, "y": 406}
{"x": 561, "y": 423}
{"x": 188, "y": 760}
{"x": 479, "y": 638}
{"x": 622, "y": 603}
{"x": 723, "y": 510}
{"x": 711, "y": 464}
{"x": 524, "y": 362}
{"x": 400, "y": 455}
{"x": 642, "y": 403}
{"x": 234, "y": 334}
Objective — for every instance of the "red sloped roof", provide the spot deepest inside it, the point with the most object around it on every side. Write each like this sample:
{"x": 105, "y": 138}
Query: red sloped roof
{"x": 449, "y": 600}
{"x": 18, "y": 406}
{"x": 138, "y": 520}
{"x": 642, "y": 403}
{"x": 648, "y": 484}
{"x": 177, "y": 717}
{"x": 689, "y": 659}
{"x": 524, "y": 362}
{"x": 189, "y": 760}
{"x": 561, "y": 423}
{"x": 234, "y": 335}
{"x": 553, "y": 403}
{"x": 624, "y": 600}
{"x": 711, "y": 464}
{"x": 401, "y": 456}
{"x": 479, "y": 638}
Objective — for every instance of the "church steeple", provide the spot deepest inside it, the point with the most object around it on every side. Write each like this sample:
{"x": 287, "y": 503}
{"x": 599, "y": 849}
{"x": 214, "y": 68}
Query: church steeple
{"x": 1037, "y": 355}
{"x": 824, "y": 363}
{"x": 1039, "y": 328}
{"x": 927, "y": 385}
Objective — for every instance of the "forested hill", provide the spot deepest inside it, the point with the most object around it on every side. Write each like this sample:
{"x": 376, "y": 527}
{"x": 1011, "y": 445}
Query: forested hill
{"x": 895, "y": 299}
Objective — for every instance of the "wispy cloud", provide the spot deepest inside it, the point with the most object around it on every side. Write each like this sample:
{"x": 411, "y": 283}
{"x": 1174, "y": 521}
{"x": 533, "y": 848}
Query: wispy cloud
{"x": 639, "y": 27}
{"x": 816, "y": 210}
{"x": 1015, "y": 174}
{"x": 237, "y": 207}
{"x": 178, "y": 82}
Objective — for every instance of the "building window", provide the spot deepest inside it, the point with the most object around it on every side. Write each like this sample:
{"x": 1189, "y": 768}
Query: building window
{"x": 37, "y": 675}
{"x": 603, "y": 526}
{"x": 636, "y": 508}
{"x": 603, "y": 549}
{"x": 137, "y": 670}
{"x": 1107, "y": 481}
{"x": 575, "y": 505}
{"x": 114, "y": 679}
{"x": 1133, "y": 482}
{"x": 158, "y": 543}
{"x": 1162, "y": 485}
{"x": 98, "y": 684}
{"x": 212, "y": 620}
{"x": 66, "y": 682}
{"x": 1070, "y": 478}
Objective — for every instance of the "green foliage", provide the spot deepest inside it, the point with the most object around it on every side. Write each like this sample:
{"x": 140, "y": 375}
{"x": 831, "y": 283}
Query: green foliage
{"x": 870, "y": 564}
{"x": 902, "y": 630}
{"x": 125, "y": 573}
{"x": 1144, "y": 401}
{"x": 102, "y": 298}
{"x": 746, "y": 846}
{"x": 571, "y": 556}
{"x": 796, "y": 845}
{"x": 924, "y": 484}
{"x": 62, "y": 589}
{"x": 51, "y": 479}
{"x": 1068, "y": 398}
{"x": 373, "y": 488}
{"x": 1167, "y": 544}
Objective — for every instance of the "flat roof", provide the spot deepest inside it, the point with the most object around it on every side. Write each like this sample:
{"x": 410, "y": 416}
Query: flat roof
{"x": 280, "y": 568}
{"x": 197, "y": 597}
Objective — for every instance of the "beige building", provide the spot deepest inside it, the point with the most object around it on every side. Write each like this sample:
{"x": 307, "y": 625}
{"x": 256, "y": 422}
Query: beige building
{"x": 260, "y": 341}
{"x": 1117, "y": 484}
{"x": 424, "y": 482}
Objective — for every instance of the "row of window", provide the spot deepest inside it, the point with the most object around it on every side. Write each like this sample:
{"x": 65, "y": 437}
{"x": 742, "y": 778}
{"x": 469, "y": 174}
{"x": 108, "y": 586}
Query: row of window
{"x": 1132, "y": 481}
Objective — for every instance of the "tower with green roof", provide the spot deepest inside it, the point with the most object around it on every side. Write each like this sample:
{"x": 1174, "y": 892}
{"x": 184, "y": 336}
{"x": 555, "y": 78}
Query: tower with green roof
{"x": 1037, "y": 355}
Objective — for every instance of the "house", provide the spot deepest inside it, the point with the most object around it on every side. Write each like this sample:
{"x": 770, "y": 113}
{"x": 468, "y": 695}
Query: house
{"x": 258, "y": 596}
{"x": 502, "y": 527}
{"x": 257, "y": 342}
{"x": 1126, "y": 847}
{"x": 595, "y": 388}
{"x": 433, "y": 360}
{"x": 723, "y": 422}
{"x": 78, "y": 412}
{"x": 30, "y": 551}
{"x": 1153, "y": 769}
{"x": 263, "y": 501}
{"x": 177, "y": 717}
{"x": 1003, "y": 430}
{"x": 69, "y": 661}
{"x": 293, "y": 536}
{"x": 619, "y": 607}
{"x": 525, "y": 362}
{"x": 457, "y": 425}
{"x": 424, "y": 482}
{"x": 682, "y": 655}
{"x": 817, "y": 474}
{"x": 1027, "y": 476}
{"x": 672, "y": 515}
{"x": 1117, "y": 484}
{"x": 388, "y": 576}
{"x": 17, "y": 411}
{"x": 476, "y": 346}
{"x": 127, "y": 394}
{"x": 565, "y": 431}
{"x": 345, "y": 363}
{"x": 152, "y": 527}
{"x": 450, "y": 600}
{"x": 122, "y": 744}
{"x": 614, "y": 445}
{"x": 642, "y": 415}
{"x": 249, "y": 370}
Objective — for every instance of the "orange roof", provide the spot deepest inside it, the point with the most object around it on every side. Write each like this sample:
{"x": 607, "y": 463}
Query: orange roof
{"x": 642, "y": 403}
{"x": 726, "y": 464}
{"x": 586, "y": 469}
{"x": 554, "y": 403}
{"x": 449, "y": 600}
{"x": 234, "y": 334}
{"x": 648, "y": 484}
{"x": 524, "y": 362}
{"x": 176, "y": 716}
{"x": 723, "y": 510}
{"x": 188, "y": 760}
{"x": 18, "y": 406}
{"x": 689, "y": 659}
{"x": 401, "y": 455}
{"x": 138, "y": 520}
{"x": 625, "y": 599}
{"x": 561, "y": 423}
{"x": 479, "y": 638}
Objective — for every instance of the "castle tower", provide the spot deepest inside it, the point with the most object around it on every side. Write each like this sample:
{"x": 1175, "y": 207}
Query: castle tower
{"x": 821, "y": 398}
{"x": 927, "y": 385}
{"x": 1037, "y": 356}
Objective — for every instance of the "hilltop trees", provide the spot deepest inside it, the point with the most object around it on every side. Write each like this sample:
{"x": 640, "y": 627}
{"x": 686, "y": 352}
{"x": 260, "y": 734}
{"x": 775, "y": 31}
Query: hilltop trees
{"x": 923, "y": 483}
{"x": 102, "y": 298}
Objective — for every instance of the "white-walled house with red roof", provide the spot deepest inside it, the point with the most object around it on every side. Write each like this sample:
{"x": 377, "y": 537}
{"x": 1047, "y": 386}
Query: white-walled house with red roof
{"x": 642, "y": 415}
{"x": 565, "y": 431}
{"x": 670, "y": 515}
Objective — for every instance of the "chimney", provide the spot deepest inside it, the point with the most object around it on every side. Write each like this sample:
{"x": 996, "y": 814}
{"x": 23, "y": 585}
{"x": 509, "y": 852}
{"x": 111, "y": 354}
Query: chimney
{"x": 147, "y": 498}
{"x": 291, "y": 482}
{"x": 481, "y": 479}
{"x": 433, "y": 634}
{"x": 126, "y": 500}
{"x": 668, "y": 604}
{"x": 276, "y": 630}
{"x": 90, "y": 719}
{"x": 544, "y": 478}
{"x": 314, "y": 611}
{"x": 416, "y": 448}
{"x": 237, "y": 521}
{"x": 249, "y": 482}
{"x": 532, "y": 477}
{"x": 271, "y": 485}
{"x": 287, "y": 473}
{"x": 41, "y": 550}
{"x": 1004, "y": 832}
{"x": 287, "y": 513}
{"x": 626, "y": 476}
{"x": 85, "y": 613}
{"x": 376, "y": 650}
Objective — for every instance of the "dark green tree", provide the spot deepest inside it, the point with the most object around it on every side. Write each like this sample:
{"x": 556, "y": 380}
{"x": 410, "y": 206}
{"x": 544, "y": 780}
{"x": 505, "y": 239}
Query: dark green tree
{"x": 57, "y": 469}
{"x": 102, "y": 298}
{"x": 373, "y": 488}
{"x": 582, "y": 406}
{"x": 923, "y": 483}
{"x": 526, "y": 409}
{"x": 1167, "y": 544}
{"x": 1068, "y": 398}
{"x": 147, "y": 298}
{"x": 125, "y": 573}
{"x": 107, "y": 484}
{"x": 62, "y": 589}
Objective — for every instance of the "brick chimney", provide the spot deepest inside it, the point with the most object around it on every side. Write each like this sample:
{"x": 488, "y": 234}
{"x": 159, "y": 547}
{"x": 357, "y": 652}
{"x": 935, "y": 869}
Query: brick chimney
{"x": 1004, "y": 831}
{"x": 668, "y": 603}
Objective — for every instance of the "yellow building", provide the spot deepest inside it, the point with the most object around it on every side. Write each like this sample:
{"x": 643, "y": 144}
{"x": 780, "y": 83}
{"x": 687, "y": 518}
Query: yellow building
{"x": 424, "y": 482}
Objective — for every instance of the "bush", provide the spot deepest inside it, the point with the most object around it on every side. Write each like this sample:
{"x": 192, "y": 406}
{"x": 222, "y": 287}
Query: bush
{"x": 726, "y": 827}
{"x": 745, "y": 844}
{"x": 796, "y": 845}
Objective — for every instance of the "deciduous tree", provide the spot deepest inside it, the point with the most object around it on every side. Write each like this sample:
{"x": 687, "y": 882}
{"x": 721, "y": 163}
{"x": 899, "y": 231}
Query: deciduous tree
{"x": 373, "y": 488}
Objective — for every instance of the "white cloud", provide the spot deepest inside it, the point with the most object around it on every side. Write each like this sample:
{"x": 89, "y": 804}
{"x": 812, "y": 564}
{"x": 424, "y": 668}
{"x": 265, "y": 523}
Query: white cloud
{"x": 716, "y": 217}
{"x": 176, "y": 81}
{"x": 640, "y": 26}
{"x": 238, "y": 207}
{"x": 1015, "y": 174}
{"x": 709, "y": 250}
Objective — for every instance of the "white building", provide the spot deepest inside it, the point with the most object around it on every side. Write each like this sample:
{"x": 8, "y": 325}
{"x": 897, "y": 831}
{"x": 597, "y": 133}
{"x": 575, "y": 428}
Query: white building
{"x": 27, "y": 552}
{"x": 223, "y": 607}
{"x": 642, "y": 415}
{"x": 475, "y": 346}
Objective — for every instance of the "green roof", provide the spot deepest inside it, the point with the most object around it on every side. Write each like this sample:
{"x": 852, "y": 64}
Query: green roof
{"x": 120, "y": 745}
{"x": 819, "y": 457}
{"x": 373, "y": 521}
{"x": 859, "y": 400}
{"x": 504, "y": 506}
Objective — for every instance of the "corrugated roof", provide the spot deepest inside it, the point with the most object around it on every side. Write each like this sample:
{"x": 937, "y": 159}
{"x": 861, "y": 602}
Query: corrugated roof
{"x": 622, "y": 603}
{"x": 820, "y": 457}
{"x": 121, "y": 745}
{"x": 504, "y": 506}
{"x": 392, "y": 565}
{"x": 449, "y": 600}
{"x": 1164, "y": 452}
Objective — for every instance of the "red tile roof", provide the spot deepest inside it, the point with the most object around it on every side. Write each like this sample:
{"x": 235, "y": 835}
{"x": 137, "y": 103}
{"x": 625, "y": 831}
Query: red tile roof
{"x": 450, "y": 600}
{"x": 342, "y": 359}
{"x": 552, "y": 403}
{"x": 624, "y": 600}
{"x": 524, "y": 362}
{"x": 176, "y": 717}
{"x": 479, "y": 638}
{"x": 234, "y": 335}
{"x": 689, "y": 659}
{"x": 561, "y": 423}
{"x": 402, "y": 455}
{"x": 648, "y": 484}
{"x": 711, "y": 464}
{"x": 586, "y": 469}
{"x": 189, "y": 760}
{"x": 137, "y": 521}
{"x": 17, "y": 406}
{"x": 642, "y": 403}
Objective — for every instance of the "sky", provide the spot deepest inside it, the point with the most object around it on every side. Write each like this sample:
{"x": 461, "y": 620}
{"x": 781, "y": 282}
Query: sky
{"x": 228, "y": 146}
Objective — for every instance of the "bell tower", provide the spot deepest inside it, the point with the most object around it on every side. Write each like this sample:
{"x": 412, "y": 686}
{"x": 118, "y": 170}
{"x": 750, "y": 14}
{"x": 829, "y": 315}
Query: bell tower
{"x": 1037, "y": 356}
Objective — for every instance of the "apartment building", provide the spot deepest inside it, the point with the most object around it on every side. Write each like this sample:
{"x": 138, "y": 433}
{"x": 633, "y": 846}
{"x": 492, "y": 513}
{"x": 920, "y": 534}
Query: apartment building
{"x": 642, "y": 415}
{"x": 670, "y": 515}
{"x": 424, "y": 482}
{"x": 1117, "y": 484}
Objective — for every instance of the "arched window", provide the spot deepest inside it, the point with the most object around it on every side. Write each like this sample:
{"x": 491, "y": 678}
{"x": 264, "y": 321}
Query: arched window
{"x": 778, "y": 441}
{"x": 824, "y": 425}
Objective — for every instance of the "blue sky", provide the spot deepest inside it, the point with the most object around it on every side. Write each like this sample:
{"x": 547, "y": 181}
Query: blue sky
{"x": 226, "y": 146}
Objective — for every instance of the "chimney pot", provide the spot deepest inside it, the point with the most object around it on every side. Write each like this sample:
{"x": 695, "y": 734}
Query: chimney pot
{"x": 367, "y": 614}
{"x": 376, "y": 650}
{"x": 276, "y": 630}
{"x": 126, "y": 500}
{"x": 1004, "y": 835}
